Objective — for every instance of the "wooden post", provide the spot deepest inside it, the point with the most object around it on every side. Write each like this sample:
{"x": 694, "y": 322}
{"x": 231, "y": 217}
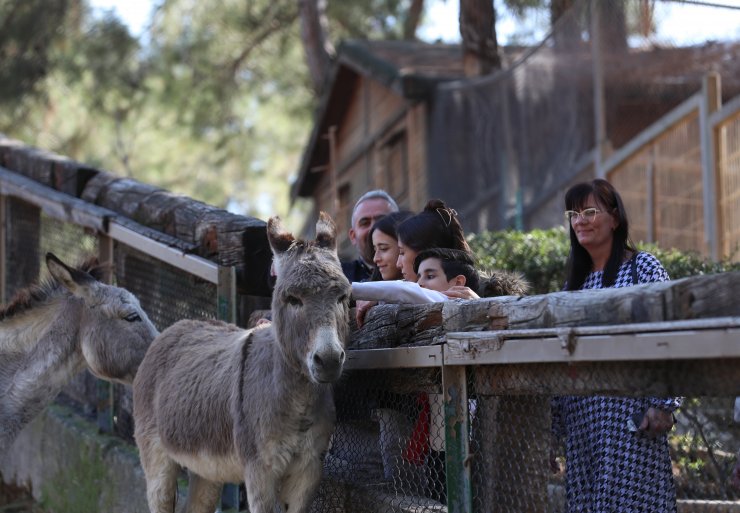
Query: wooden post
{"x": 332, "y": 136}
{"x": 22, "y": 239}
{"x": 512, "y": 434}
{"x": 597, "y": 59}
{"x": 457, "y": 450}
{"x": 711, "y": 102}
{"x": 650, "y": 214}
{"x": 3, "y": 250}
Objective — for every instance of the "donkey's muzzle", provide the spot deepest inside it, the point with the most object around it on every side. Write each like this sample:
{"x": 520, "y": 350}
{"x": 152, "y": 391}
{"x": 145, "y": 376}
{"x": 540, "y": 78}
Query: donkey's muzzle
{"x": 327, "y": 359}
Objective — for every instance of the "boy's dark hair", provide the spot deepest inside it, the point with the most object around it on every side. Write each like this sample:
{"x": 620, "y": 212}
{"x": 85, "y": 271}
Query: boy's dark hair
{"x": 454, "y": 262}
{"x": 503, "y": 283}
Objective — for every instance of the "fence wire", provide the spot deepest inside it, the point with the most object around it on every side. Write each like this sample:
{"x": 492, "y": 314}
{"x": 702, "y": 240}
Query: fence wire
{"x": 387, "y": 451}
{"x": 513, "y": 440}
{"x": 525, "y": 134}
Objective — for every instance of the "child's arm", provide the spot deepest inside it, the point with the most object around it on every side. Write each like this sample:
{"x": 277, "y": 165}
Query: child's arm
{"x": 395, "y": 291}
{"x": 461, "y": 292}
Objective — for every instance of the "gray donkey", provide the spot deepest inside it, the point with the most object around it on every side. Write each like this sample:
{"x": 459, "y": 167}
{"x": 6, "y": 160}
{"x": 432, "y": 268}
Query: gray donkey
{"x": 51, "y": 331}
{"x": 253, "y": 405}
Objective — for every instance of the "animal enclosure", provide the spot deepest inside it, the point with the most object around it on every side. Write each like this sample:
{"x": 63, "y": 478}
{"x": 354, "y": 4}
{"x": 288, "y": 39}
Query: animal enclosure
{"x": 444, "y": 407}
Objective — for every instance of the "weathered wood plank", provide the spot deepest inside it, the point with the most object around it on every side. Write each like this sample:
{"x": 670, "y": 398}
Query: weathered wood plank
{"x": 210, "y": 232}
{"x": 58, "y": 205}
{"x": 688, "y": 298}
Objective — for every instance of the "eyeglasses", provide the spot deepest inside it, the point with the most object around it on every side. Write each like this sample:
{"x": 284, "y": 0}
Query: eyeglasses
{"x": 587, "y": 215}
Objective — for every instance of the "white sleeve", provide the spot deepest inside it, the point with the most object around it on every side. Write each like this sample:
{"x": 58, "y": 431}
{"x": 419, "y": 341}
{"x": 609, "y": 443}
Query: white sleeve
{"x": 395, "y": 291}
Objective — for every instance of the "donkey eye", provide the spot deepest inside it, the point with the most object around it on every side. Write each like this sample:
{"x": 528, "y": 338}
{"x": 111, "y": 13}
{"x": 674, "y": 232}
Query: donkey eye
{"x": 292, "y": 300}
{"x": 134, "y": 317}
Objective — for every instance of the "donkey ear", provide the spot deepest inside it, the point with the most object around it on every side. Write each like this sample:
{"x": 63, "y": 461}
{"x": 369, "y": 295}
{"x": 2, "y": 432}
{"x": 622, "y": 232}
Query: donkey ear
{"x": 326, "y": 232}
{"x": 280, "y": 239}
{"x": 76, "y": 281}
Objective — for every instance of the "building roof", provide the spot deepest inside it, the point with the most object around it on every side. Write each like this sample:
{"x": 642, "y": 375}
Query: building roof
{"x": 409, "y": 68}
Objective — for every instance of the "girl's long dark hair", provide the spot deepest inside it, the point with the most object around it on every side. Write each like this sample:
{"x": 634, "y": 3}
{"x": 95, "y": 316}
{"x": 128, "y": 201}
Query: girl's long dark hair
{"x": 388, "y": 225}
{"x": 579, "y": 263}
{"x": 435, "y": 227}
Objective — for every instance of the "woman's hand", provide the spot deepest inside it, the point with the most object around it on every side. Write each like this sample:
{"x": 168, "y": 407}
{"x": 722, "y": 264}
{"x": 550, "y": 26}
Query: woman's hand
{"x": 460, "y": 292}
{"x": 361, "y": 308}
{"x": 656, "y": 422}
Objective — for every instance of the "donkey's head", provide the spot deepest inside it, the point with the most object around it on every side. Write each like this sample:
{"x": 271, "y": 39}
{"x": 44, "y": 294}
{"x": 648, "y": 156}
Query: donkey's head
{"x": 114, "y": 331}
{"x": 310, "y": 303}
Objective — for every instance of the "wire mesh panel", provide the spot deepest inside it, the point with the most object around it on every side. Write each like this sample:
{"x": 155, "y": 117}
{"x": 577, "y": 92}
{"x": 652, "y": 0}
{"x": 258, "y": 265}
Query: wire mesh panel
{"x": 73, "y": 244}
{"x": 166, "y": 293}
{"x": 387, "y": 451}
{"x": 523, "y": 466}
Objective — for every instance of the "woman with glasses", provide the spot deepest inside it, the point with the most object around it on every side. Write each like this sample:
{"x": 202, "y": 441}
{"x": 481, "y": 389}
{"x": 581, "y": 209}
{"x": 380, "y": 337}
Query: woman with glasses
{"x": 616, "y": 448}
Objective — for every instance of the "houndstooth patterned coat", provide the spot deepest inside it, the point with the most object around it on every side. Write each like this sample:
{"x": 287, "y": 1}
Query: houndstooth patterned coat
{"x": 609, "y": 468}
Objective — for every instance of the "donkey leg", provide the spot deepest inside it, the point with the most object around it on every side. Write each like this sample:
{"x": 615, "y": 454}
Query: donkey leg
{"x": 300, "y": 485}
{"x": 203, "y": 495}
{"x": 261, "y": 489}
{"x": 161, "y": 477}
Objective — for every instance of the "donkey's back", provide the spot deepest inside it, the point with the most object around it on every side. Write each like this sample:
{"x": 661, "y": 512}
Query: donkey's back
{"x": 187, "y": 372}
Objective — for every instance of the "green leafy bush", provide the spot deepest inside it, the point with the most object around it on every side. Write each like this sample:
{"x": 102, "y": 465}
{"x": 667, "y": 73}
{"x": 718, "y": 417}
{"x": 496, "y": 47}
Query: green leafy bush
{"x": 540, "y": 256}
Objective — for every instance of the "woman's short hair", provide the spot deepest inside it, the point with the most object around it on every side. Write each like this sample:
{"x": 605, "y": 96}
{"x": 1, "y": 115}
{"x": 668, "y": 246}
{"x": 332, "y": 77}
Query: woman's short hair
{"x": 436, "y": 226}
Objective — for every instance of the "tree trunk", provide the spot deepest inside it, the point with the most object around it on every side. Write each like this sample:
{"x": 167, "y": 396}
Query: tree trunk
{"x": 413, "y": 17}
{"x": 566, "y": 32}
{"x": 313, "y": 36}
{"x": 613, "y": 26}
{"x": 478, "y": 32}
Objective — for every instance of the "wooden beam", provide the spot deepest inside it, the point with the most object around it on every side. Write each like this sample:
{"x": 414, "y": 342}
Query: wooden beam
{"x": 53, "y": 203}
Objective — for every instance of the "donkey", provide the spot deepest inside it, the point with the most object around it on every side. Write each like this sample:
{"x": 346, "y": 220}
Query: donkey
{"x": 253, "y": 405}
{"x": 50, "y": 331}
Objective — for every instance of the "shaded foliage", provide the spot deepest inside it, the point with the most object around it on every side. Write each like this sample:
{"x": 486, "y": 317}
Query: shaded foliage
{"x": 541, "y": 254}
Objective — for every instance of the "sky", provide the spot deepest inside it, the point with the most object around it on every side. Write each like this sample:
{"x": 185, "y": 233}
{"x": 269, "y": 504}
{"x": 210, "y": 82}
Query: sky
{"x": 678, "y": 23}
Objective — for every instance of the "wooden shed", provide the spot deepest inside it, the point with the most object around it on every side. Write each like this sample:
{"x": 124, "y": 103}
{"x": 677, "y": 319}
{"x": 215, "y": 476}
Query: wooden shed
{"x": 371, "y": 126}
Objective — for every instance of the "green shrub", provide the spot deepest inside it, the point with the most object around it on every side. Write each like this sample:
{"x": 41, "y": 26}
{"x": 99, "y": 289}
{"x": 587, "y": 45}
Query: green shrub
{"x": 541, "y": 254}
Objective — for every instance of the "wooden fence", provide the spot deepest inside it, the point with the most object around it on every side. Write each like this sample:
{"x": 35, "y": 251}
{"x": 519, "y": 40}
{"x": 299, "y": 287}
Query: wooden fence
{"x": 680, "y": 177}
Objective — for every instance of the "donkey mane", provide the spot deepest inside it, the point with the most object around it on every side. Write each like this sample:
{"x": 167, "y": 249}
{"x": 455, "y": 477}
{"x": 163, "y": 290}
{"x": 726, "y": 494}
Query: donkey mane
{"x": 40, "y": 293}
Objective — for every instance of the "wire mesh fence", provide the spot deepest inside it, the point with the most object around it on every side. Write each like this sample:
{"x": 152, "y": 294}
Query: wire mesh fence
{"x": 388, "y": 449}
{"x": 393, "y": 449}
{"x": 522, "y": 449}
{"x": 563, "y": 103}
{"x": 166, "y": 293}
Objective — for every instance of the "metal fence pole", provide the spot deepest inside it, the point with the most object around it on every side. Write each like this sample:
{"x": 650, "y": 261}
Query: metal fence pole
{"x": 105, "y": 390}
{"x": 711, "y": 102}
{"x": 226, "y": 311}
{"x": 457, "y": 447}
